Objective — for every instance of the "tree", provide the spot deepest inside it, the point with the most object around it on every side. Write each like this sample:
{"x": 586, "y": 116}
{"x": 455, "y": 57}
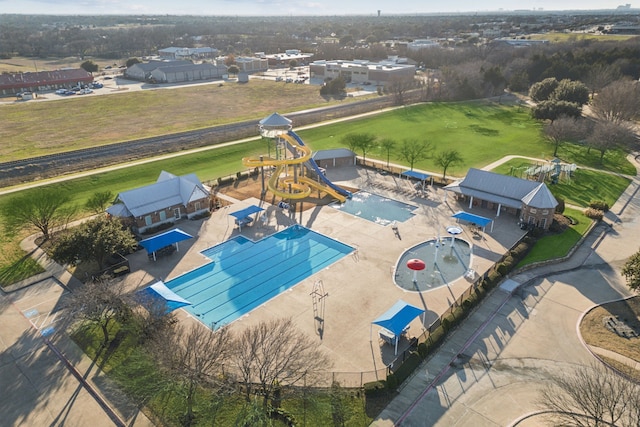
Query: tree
{"x": 542, "y": 91}
{"x": 131, "y": 62}
{"x": 398, "y": 87}
{"x": 360, "y": 141}
{"x": 591, "y": 396}
{"x": 551, "y": 110}
{"x": 413, "y": 151}
{"x": 563, "y": 129}
{"x": 618, "y": 102}
{"x": 293, "y": 63}
{"x": 99, "y": 302}
{"x": 94, "y": 240}
{"x": 89, "y": 66}
{"x": 447, "y": 158}
{"x": 609, "y": 135}
{"x": 193, "y": 357}
{"x": 273, "y": 353}
{"x": 42, "y": 208}
{"x": 229, "y": 60}
{"x": 335, "y": 87}
{"x": 600, "y": 76}
{"x": 98, "y": 202}
{"x": 571, "y": 91}
{"x": 387, "y": 144}
{"x": 233, "y": 69}
{"x": 495, "y": 80}
{"x": 631, "y": 271}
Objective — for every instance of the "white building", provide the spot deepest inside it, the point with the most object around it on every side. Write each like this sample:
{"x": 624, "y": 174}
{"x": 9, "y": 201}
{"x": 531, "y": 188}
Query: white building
{"x": 363, "y": 71}
{"x": 418, "y": 45}
{"x": 192, "y": 53}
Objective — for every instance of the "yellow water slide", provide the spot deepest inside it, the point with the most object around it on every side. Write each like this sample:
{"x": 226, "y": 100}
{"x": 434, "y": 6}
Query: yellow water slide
{"x": 293, "y": 185}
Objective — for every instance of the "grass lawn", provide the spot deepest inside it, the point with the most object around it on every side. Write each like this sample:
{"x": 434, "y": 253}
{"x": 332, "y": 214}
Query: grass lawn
{"x": 558, "y": 245}
{"x": 482, "y": 132}
{"x": 594, "y": 333}
{"x": 585, "y": 185}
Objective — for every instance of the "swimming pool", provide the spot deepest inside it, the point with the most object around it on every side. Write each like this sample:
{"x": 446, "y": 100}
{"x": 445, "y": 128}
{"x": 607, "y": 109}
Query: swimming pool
{"x": 376, "y": 208}
{"x": 244, "y": 274}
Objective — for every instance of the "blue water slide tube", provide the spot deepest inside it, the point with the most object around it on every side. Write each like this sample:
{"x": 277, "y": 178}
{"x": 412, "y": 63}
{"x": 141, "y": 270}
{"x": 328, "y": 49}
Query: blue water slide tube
{"x": 314, "y": 166}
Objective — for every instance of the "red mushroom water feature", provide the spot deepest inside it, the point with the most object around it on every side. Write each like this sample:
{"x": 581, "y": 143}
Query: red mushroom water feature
{"x": 416, "y": 265}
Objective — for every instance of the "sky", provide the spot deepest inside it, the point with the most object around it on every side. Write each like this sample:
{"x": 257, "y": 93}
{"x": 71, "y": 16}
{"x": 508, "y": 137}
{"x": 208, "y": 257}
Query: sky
{"x": 287, "y": 7}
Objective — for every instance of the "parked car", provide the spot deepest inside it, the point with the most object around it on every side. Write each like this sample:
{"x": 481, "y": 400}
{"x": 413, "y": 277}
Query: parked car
{"x": 61, "y": 91}
{"x": 279, "y": 79}
{"x": 96, "y": 85}
{"x": 108, "y": 77}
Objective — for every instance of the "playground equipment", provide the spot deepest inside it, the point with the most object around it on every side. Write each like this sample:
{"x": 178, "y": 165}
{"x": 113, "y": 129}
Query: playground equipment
{"x": 297, "y": 176}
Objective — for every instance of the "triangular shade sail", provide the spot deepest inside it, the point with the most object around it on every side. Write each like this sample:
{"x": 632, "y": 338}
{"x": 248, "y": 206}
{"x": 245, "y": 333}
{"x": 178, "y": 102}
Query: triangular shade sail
{"x": 159, "y": 292}
{"x": 398, "y": 317}
{"x": 152, "y": 244}
{"x": 246, "y": 212}
{"x": 476, "y": 219}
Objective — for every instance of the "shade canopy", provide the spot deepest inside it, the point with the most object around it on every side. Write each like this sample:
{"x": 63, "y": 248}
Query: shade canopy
{"x": 398, "y": 317}
{"x": 476, "y": 219}
{"x": 417, "y": 175}
{"x": 243, "y": 213}
{"x": 416, "y": 264}
{"x": 152, "y": 244}
{"x": 159, "y": 293}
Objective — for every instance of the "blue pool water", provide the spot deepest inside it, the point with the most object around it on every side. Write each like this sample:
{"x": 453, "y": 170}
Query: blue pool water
{"x": 244, "y": 274}
{"x": 376, "y": 208}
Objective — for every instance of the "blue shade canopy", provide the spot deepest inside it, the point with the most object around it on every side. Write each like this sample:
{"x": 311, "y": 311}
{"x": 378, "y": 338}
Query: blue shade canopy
{"x": 398, "y": 317}
{"x": 417, "y": 175}
{"x": 246, "y": 212}
{"x": 162, "y": 240}
{"x": 476, "y": 219}
{"x": 158, "y": 292}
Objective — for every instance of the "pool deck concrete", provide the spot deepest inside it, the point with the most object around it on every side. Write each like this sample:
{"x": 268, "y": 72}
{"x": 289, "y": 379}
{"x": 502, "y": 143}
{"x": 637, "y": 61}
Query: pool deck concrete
{"x": 359, "y": 287}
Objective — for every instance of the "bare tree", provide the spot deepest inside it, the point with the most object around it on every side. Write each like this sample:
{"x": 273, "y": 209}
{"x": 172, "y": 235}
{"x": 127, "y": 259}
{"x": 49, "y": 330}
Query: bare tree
{"x": 413, "y": 151}
{"x": 398, "y": 88}
{"x": 275, "y": 353}
{"x": 387, "y": 144}
{"x": 360, "y": 141}
{"x": 591, "y": 396}
{"x": 563, "y": 129}
{"x": 631, "y": 271}
{"x": 448, "y": 158}
{"x": 99, "y": 201}
{"x": 608, "y": 135}
{"x": 193, "y": 357}
{"x": 618, "y": 102}
{"x": 42, "y": 208}
{"x": 599, "y": 76}
{"x": 100, "y": 302}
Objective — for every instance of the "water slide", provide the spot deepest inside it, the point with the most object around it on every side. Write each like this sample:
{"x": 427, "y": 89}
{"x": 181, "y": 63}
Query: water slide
{"x": 291, "y": 186}
{"x": 311, "y": 164}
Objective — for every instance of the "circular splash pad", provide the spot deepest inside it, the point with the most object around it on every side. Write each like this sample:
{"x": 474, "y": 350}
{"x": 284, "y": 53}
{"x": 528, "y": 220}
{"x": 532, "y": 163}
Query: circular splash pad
{"x": 445, "y": 260}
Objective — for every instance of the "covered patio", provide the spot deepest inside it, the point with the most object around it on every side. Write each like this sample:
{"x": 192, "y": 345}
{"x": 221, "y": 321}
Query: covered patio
{"x": 395, "y": 322}
{"x": 163, "y": 240}
{"x": 243, "y": 216}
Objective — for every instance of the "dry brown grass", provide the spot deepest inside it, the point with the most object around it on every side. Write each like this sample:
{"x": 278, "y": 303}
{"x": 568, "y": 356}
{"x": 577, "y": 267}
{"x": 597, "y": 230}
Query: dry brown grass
{"x": 37, "y": 128}
{"x": 594, "y": 332}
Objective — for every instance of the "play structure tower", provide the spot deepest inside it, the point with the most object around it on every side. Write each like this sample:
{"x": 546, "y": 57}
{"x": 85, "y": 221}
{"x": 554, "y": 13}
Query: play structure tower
{"x": 296, "y": 174}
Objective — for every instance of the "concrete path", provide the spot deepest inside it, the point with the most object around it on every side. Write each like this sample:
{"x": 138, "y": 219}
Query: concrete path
{"x": 489, "y": 372}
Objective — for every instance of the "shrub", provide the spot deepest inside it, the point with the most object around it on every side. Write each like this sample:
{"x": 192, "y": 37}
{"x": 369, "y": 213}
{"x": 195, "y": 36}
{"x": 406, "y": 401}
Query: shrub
{"x": 561, "y": 205}
{"x": 423, "y": 350}
{"x": 446, "y": 324}
{"x": 375, "y": 388}
{"x": 408, "y": 366}
{"x": 502, "y": 268}
{"x": 592, "y": 213}
{"x": 520, "y": 250}
{"x": 392, "y": 382}
{"x": 467, "y": 304}
{"x": 599, "y": 205}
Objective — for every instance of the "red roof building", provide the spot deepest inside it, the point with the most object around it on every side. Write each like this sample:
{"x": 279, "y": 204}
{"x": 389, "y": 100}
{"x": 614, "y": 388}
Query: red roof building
{"x": 13, "y": 83}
